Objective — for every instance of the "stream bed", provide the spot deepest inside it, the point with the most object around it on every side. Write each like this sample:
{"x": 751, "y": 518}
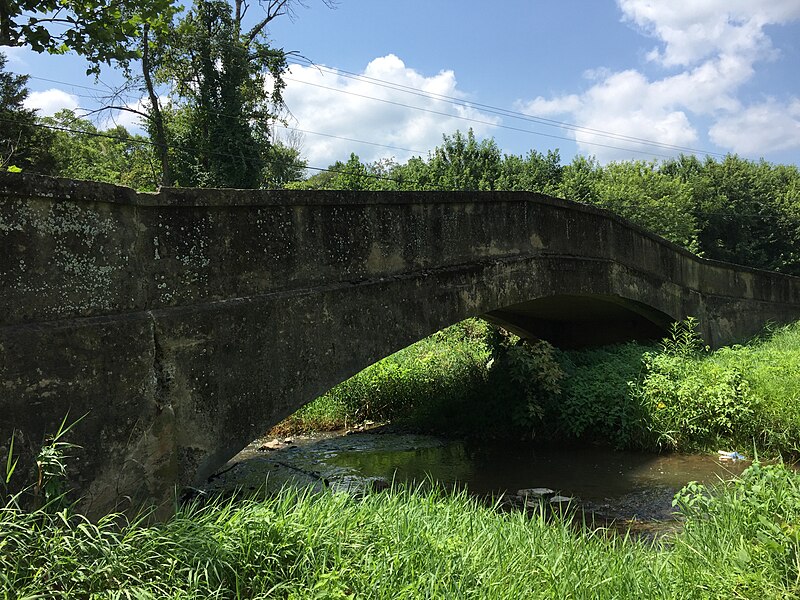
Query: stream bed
{"x": 631, "y": 491}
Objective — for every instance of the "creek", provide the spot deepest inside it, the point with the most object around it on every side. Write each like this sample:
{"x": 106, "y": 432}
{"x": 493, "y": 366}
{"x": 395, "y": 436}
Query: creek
{"x": 633, "y": 491}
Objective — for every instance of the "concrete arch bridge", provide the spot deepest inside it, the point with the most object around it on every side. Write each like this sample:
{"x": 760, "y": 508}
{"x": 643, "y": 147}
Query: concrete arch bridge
{"x": 185, "y": 323}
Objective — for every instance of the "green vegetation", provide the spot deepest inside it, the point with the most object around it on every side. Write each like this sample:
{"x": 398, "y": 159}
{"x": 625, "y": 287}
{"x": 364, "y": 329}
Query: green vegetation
{"x": 211, "y": 81}
{"x": 475, "y": 380}
{"x": 426, "y": 379}
{"x": 736, "y": 210}
{"x": 215, "y": 132}
{"x": 740, "y": 542}
{"x": 23, "y": 145}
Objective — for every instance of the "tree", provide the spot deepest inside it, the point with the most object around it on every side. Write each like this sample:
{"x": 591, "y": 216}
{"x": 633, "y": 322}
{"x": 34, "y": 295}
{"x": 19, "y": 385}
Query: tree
{"x": 579, "y": 180}
{"x": 217, "y": 72}
{"x": 535, "y": 172}
{"x": 743, "y": 213}
{"x": 112, "y": 32}
{"x": 100, "y": 31}
{"x": 414, "y": 175}
{"x": 81, "y": 151}
{"x": 23, "y": 145}
{"x": 221, "y": 89}
{"x": 662, "y": 204}
{"x": 211, "y": 44}
{"x": 463, "y": 163}
{"x": 282, "y": 165}
{"x": 352, "y": 176}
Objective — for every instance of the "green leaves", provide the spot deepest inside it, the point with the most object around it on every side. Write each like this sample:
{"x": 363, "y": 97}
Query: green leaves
{"x": 638, "y": 191}
{"x": 102, "y": 32}
{"x": 692, "y": 401}
{"x": 23, "y": 145}
{"x": 113, "y": 156}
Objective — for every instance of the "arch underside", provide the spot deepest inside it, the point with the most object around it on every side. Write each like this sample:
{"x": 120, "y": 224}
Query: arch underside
{"x": 327, "y": 336}
{"x": 577, "y": 321}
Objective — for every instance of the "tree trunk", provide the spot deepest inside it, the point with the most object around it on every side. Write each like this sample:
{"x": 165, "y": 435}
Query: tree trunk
{"x": 159, "y": 135}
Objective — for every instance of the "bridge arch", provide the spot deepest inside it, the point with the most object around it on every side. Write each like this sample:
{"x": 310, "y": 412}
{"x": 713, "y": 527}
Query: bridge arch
{"x": 186, "y": 322}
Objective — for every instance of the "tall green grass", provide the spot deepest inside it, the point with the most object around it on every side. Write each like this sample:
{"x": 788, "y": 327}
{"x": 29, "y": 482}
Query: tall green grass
{"x": 472, "y": 379}
{"x": 771, "y": 368}
{"x": 741, "y": 542}
{"x": 431, "y": 376}
{"x": 744, "y": 396}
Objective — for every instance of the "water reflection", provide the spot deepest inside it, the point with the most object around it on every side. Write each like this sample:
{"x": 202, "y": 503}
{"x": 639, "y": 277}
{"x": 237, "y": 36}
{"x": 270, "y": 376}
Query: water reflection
{"x": 618, "y": 485}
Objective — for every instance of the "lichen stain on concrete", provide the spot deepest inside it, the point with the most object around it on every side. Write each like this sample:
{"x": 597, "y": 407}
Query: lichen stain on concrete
{"x": 471, "y": 301}
{"x": 493, "y": 249}
{"x": 536, "y": 242}
{"x": 41, "y": 387}
{"x": 277, "y": 281}
{"x": 379, "y": 261}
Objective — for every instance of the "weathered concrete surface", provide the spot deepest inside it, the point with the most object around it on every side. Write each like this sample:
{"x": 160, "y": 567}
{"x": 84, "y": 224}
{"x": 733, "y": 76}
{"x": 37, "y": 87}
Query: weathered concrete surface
{"x": 185, "y": 323}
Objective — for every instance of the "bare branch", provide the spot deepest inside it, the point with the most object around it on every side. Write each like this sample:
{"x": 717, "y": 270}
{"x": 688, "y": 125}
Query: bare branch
{"x": 118, "y": 107}
{"x": 273, "y": 9}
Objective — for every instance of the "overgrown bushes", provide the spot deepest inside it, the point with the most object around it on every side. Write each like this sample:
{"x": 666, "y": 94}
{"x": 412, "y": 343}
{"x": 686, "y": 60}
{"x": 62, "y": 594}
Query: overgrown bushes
{"x": 473, "y": 379}
{"x": 427, "y": 379}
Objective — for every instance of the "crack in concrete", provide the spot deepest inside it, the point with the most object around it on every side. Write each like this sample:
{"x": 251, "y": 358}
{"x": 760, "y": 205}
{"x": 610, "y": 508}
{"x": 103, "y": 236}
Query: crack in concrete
{"x": 161, "y": 376}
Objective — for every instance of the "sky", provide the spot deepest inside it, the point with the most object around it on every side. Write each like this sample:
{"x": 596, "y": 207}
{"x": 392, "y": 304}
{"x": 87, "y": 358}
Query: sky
{"x": 645, "y": 79}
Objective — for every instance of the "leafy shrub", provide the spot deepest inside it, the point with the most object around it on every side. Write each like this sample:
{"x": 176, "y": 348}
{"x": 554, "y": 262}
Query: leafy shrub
{"x": 476, "y": 379}
{"x": 749, "y": 525}
{"x": 692, "y": 401}
{"x": 525, "y": 379}
{"x": 596, "y": 403}
{"x": 47, "y": 486}
{"x": 427, "y": 380}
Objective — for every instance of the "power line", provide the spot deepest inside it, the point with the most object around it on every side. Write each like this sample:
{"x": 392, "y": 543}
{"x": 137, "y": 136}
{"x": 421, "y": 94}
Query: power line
{"x": 299, "y": 61}
{"x": 221, "y": 114}
{"x": 147, "y": 142}
{"x": 76, "y": 85}
{"x": 347, "y": 139}
{"x": 470, "y": 119}
{"x": 500, "y": 111}
{"x": 400, "y": 181}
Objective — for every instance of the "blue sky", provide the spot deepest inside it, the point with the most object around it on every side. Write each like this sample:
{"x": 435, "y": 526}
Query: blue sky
{"x": 716, "y": 76}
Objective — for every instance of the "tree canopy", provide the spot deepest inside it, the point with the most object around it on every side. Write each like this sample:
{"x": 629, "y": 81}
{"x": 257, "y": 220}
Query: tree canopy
{"x": 202, "y": 71}
{"x": 23, "y": 145}
{"x": 102, "y": 32}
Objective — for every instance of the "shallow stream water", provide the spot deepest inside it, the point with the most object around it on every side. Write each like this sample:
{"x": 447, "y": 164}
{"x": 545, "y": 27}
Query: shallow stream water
{"x": 623, "y": 487}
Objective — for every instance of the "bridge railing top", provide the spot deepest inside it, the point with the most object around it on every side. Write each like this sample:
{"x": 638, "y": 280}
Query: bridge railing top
{"x": 26, "y": 185}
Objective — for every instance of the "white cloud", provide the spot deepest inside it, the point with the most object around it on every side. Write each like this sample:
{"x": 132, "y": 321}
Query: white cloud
{"x": 51, "y": 101}
{"x": 769, "y": 126}
{"x": 692, "y": 30}
{"x": 628, "y": 105}
{"x": 712, "y": 48}
{"x": 326, "y": 102}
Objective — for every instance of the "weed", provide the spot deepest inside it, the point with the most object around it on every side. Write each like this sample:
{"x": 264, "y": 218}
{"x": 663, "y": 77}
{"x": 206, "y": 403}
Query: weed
{"x": 740, "y": 540}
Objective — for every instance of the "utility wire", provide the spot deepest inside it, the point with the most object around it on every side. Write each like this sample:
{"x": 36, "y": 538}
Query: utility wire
{"x": 466, "y": 104}
{"x": 347, "y": 139}
{"x": 497, "y": 110}
{"x": 293, "y": 60}
{"x": 470, "y": 119}
{"x": 221, "y": 114}
{"x": 425, "y": 187}
{"x": 501, "y": 112}
{"x": 147, "y": 142}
